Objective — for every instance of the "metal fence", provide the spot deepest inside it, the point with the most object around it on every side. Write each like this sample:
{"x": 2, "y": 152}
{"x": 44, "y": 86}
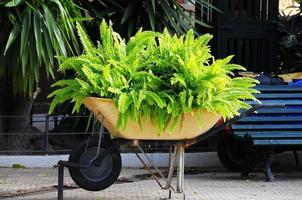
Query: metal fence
{"x": 49, "y": 128}
{"x": 45, "y": 127}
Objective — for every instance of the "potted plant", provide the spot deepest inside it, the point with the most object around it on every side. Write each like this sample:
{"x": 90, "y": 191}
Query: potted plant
{"x": 154, "y": 86}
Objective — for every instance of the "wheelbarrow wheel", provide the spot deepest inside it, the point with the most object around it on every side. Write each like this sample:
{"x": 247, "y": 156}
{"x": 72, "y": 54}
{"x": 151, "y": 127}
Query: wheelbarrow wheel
{"x": 235, "y": 154}
{"x": 105, "y": 169}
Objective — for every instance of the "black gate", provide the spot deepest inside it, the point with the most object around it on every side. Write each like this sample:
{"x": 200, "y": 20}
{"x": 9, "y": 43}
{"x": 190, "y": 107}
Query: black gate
{"x": 247, "y": 29}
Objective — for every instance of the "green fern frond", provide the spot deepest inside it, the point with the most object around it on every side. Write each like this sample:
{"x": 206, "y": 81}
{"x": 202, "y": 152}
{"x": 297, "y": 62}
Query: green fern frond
{"x": 87, "y": 44}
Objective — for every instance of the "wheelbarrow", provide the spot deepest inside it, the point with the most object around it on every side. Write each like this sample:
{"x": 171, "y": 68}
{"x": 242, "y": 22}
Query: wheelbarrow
{"x": 94, "y": 165}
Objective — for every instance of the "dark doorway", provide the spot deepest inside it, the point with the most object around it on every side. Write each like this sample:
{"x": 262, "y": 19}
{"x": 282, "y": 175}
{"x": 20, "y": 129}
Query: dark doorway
{"x": 248, "y": 30}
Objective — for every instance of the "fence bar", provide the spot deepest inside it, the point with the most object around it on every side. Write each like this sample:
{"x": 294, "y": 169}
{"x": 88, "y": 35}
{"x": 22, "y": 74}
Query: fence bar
{"x": 46, "y": 132}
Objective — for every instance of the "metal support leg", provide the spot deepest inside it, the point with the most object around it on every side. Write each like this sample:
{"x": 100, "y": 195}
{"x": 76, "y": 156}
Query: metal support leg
{"x": 170, "y": 194}
{"x": 296, "y": 160}
{"x": 171, "y": 168}
{"x": 180, "y": 168}
{"x": 170, "y": 165}
{"x": 267, "y": 167}
{"x": 101, "y": 132}
{"x": 177, "y": 158}
{"x": 60, "y": 182}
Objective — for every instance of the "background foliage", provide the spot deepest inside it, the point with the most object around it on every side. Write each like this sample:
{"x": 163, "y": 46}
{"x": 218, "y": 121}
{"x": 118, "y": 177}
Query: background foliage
{"x": 130, "y": 15}
{"x": 33, "y": 32}
{"x": 290, "y": 29}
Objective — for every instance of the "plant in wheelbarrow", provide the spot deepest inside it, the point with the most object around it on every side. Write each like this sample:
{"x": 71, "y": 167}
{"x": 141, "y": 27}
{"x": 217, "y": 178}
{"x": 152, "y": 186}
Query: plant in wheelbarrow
{"x": 156, "y": 86}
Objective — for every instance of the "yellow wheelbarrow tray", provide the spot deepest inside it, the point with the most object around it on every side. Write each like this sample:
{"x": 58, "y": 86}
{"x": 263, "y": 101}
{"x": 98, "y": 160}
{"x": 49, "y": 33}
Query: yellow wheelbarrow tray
{"x": 106, "y": 112}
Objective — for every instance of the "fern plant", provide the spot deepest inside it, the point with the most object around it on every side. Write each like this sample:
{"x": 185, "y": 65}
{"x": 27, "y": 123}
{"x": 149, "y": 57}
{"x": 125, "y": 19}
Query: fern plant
{"x": 155, "y": 76}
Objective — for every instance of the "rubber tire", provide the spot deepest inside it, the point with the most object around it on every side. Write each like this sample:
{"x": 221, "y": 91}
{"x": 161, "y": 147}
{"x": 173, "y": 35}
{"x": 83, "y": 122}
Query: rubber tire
{"x": 78, "y": 175}
{"x": 233, "y": 153}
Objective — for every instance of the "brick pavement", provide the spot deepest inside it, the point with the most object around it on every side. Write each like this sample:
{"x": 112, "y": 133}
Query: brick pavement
{"x": 210, "y": 184}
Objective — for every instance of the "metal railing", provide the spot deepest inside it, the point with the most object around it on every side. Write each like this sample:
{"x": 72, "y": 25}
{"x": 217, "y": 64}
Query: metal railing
{"x": 50, "y": 129}
{"x": 45, "y": 126}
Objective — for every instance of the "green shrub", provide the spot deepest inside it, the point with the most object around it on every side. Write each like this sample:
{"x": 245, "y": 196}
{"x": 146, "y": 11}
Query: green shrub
{"x": 154, "y": 75}
{"x": 18, "y": 166}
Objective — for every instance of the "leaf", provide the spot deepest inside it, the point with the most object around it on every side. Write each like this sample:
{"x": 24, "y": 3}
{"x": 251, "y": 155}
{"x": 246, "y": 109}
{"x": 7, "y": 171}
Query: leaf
{"x": 151, "y": 13}
{"x": 48, "y": 56}
{"x": 153, "y": 5}
{"x": 106, "y": 37}
{"x": 199, "y": 115}
{"x": 183, "y": 100}
{"x": 84, "y": 84}
{"x": 34, "y": 65}
{"x": 107, "y": 74}
{"x": 38, "y": 35}
{"x": 122, "y": 121}
{"x": 131, "y": 27}
{"x": 129, "y": 10}
{"x": 12, "y": 36}
{"x": 114, "y": 90}
{"x": 178, "y": 79}
{"x": 190, "y": 100}
{"x": 160, "y": 102}
{"x": 54, "y": 31}
{"x": 14, "y": 3}
{"x": 141, "y": 98}
{"x": 168, "y": 11}
{"x": 123, "y": 102}
{"x": 24, "y": 54}
{"x": 87, "y": 44}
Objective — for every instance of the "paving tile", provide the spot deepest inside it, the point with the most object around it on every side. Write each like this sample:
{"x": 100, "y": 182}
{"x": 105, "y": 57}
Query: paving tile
{"x": 210, "y": 184}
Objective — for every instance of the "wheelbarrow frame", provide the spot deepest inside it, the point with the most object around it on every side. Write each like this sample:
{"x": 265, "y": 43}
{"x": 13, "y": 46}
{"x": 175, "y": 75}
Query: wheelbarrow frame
{"x": 176, "y": 158}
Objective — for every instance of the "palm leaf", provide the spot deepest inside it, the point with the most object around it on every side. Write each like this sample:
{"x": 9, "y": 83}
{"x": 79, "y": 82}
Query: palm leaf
{"x": 50, "y": 23}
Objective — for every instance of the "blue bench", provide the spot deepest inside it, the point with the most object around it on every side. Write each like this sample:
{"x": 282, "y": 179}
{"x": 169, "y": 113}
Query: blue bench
{"x": 272, "y": 129}
{"x": 274, "y": 126}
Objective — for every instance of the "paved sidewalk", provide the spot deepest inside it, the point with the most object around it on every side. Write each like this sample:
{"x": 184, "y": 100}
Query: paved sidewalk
{"x": 201, "y": 184}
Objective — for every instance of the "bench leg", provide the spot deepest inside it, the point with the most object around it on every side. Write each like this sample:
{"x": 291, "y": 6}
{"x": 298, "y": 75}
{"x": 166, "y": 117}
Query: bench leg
{"x": 267, "y": 167}
{"x": 296, "y": 160}
{"x": 246, "y": 173}
{"x": 60, "y": 182}
{"x": 254, "y": 159}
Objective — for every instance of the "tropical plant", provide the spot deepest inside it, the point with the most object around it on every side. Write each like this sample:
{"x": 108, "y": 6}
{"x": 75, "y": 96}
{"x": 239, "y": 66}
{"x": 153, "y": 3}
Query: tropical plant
{"x": 290, "y": 29}
{"x": 38, "y": 30}
{"x": 32, "y": 32}
{"x": 129, "y": 15}
{"x": 153, "y": 76}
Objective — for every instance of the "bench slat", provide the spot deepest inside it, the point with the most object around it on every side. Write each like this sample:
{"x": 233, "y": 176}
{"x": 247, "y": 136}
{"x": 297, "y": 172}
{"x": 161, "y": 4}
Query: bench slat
{"x": 268, "y": 118}
{"x": 267, "y": 126}
{"x": 278, "y": 102}
{"x": 270, "y": 134}
{"x": 278, "y": 88}
{"x": 279, "y": 110}
{"x": 277, "y": 142}
{"x": 278, "y": 95}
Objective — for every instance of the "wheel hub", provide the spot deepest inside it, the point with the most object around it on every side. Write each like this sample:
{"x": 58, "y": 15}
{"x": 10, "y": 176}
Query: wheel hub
{"x": 102, "y": 166}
